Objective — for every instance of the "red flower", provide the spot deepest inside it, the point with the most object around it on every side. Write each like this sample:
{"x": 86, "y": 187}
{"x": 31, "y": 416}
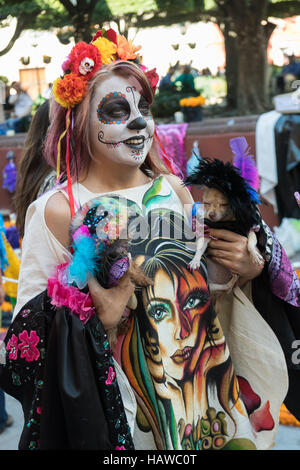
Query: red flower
{"x": 97, "y": 35}
{"x": 153, "y": 78}
{"x": 84, "y": 59}
{"x": 12, "y": 346}
{"x": 28, "y": 347}
{"x": 110, "y": 34}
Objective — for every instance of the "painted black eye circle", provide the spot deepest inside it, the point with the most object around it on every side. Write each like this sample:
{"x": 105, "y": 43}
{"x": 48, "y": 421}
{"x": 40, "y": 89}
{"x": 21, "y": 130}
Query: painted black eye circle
{"x": 144, "y": 107}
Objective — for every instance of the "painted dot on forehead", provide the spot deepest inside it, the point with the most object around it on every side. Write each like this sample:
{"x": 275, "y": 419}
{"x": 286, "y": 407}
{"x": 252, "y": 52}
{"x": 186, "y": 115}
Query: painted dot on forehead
{"x": 103, "y": 102}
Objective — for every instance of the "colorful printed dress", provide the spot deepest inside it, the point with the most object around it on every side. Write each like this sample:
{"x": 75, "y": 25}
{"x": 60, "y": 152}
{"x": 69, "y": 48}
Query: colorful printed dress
{"x": 175, "y": 354}
{"x": 186, "y": 375}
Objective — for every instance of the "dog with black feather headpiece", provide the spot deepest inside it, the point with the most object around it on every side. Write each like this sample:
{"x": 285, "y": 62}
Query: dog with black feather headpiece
{"x": 230, "y": 198}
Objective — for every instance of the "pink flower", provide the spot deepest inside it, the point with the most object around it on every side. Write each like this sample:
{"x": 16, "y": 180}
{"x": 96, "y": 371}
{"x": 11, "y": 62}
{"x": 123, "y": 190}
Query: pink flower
{"x": 111, "y": 376}
{"x": 12, "y": 346}
{"x": 153, "y": 78}
{"x": 69, "y": 296}
{"x": 120, "y": 448}
{"x": 81, "y": 304}
{"x": 39, "y": 410}
{"x": 66, "y": 64}
{"x": 144, "y": 68}
{"x": 28, "y": 347}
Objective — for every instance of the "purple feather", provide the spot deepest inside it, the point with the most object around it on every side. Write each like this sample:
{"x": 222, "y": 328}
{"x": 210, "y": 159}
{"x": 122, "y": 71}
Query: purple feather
{"x": 244, "y": 161}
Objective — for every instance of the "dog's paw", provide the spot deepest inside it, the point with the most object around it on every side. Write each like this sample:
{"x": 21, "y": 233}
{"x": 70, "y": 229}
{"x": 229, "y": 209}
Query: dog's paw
{"x": 256, "y": 258}
{"x": 195, "y": 263}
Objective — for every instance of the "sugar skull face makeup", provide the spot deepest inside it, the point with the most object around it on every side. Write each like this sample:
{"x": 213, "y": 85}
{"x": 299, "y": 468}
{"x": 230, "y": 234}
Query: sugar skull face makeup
{"x": 121, "y": 124}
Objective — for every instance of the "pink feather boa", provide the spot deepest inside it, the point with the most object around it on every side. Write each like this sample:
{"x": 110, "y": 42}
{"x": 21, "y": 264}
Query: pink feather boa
{"x": 69, "y": 296}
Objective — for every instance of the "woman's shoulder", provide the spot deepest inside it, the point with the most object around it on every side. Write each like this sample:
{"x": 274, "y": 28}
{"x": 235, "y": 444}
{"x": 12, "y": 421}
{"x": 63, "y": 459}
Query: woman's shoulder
{"x": 180, "y": 188}
{"x": 58, "y": 217}
{"x": 53, "y": 211}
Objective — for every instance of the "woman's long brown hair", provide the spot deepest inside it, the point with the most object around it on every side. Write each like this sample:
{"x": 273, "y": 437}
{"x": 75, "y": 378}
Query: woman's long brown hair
{"x": 33, "y": 167}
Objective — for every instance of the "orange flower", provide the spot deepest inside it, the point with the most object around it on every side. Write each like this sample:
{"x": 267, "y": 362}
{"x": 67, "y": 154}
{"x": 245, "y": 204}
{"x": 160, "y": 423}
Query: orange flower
{"x": 193, "y": 101}
{"x": 126, "y": 50}
{"x": 70, "y": 90}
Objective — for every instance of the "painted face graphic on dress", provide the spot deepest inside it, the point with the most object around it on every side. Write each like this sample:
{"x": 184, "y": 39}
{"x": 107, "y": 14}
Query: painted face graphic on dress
{"x": 121, "y": 124}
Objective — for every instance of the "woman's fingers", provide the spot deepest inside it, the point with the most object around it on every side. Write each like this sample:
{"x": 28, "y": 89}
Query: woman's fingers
{"x": 239, "y": 244}
{"x": 229, "y": 255}
{"x": 225, "y": 235}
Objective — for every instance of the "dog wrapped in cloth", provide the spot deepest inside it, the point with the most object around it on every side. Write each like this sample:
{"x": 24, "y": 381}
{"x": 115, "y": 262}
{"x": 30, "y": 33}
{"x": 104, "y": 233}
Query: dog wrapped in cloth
{"x": 229, "y": 199}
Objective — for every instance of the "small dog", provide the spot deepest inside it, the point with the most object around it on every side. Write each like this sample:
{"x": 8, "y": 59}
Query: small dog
{"x": 228, "y": 203}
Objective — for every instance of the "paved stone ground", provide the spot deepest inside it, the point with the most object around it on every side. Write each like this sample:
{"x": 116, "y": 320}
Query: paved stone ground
{"x": 288, "y": 437}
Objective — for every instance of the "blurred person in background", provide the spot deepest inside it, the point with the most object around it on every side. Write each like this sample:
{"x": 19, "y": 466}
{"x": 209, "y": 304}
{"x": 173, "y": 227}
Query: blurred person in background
{"x": 21, "y": 113}
{"x": 35, "y": 176}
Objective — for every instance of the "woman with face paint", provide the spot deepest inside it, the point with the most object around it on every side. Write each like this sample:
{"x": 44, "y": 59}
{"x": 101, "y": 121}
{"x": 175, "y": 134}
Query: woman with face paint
{"x": 170, "y": 382}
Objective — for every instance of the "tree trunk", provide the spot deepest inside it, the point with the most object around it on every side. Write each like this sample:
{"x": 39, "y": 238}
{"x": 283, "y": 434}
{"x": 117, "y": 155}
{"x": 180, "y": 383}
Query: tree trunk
{"x": 81, "y": 18}
{"x": 252, "y": 77}
{"x": 231, "y": 71}
{"x": 82, "y": 27}
{"x": 252, "y": 95}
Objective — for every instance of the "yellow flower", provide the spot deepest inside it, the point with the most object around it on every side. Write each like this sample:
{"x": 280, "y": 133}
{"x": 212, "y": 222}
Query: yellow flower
{"x": 126, "y": 49}
{"x": 193, "y": 101}
{"x": 106, "y": 48}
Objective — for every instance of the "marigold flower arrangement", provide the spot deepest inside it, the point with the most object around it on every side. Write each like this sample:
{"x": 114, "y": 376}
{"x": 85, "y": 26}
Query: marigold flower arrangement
{"x": 192, "y": 101}
{"x": 85, "y": 60}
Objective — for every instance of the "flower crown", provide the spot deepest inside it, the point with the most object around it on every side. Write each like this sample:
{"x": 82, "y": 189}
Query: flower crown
{"x": 85, "y": 60}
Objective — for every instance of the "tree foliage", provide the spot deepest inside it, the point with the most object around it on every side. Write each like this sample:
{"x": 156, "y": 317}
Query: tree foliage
{"x": 81, "y": 20}
{"x": 244, "y": 24}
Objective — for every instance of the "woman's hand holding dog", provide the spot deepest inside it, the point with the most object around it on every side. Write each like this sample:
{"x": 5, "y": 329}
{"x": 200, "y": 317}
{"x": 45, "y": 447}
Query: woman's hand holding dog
{"x": 230, "y": 250}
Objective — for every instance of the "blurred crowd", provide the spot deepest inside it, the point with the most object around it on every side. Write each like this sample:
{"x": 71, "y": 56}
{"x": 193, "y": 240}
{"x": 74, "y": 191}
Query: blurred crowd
{"x": 17, "y": 106}
{"x": 182, "y": 78}
{"x": 16, "y": 109}
{"x": 289, "y": 73}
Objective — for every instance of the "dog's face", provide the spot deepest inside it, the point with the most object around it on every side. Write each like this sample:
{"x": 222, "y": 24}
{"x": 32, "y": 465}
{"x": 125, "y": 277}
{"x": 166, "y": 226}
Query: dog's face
{"x": 216, "y": 206}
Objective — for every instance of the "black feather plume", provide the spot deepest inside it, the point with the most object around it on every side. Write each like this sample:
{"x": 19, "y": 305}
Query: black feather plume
{"x": 227, "y": 179}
